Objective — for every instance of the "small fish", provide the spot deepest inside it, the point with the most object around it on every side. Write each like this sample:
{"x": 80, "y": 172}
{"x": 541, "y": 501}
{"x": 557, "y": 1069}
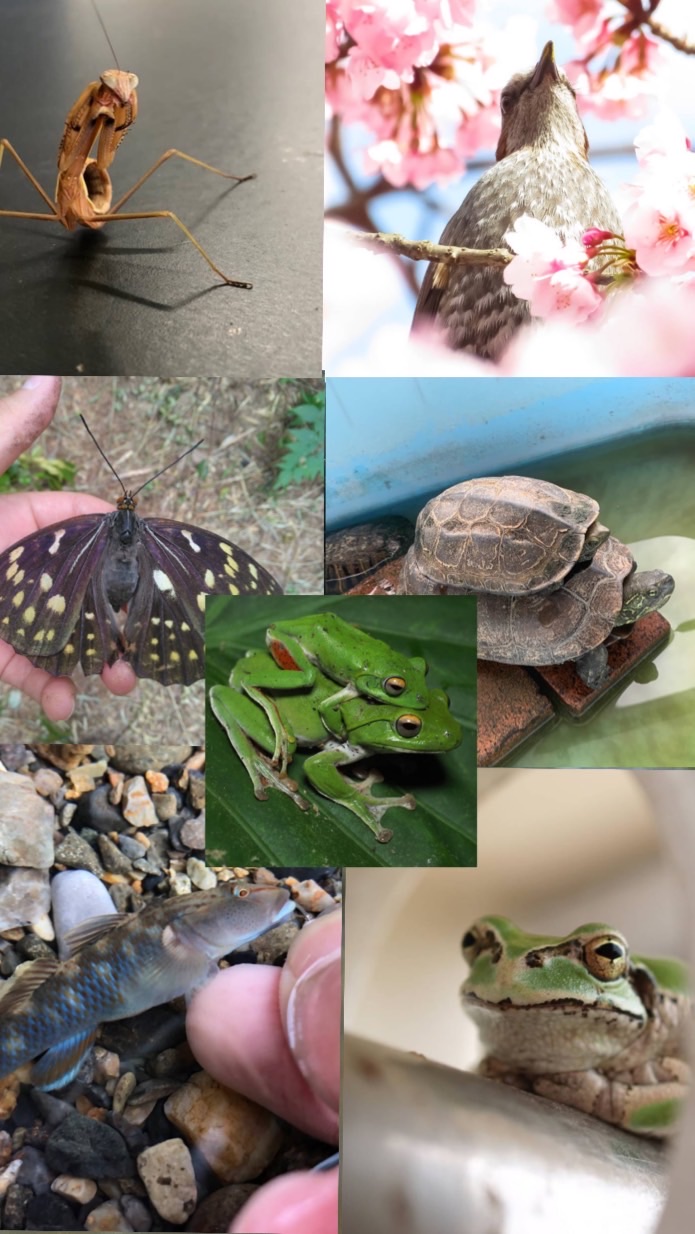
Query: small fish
{"x": 121, "y": 965}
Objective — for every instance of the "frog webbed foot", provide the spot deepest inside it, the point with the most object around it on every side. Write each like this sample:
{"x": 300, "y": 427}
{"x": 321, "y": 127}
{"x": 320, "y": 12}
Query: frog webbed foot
{"x": 378, "y": 805}
{"x": 267, "y": 776}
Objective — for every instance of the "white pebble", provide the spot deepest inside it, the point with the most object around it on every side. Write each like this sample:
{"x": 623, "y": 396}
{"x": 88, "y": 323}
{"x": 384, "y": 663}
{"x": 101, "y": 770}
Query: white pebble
{"x": 77, "y": 896}
{"x": 81, "y": 1189}
{"x": 200, "y": 875}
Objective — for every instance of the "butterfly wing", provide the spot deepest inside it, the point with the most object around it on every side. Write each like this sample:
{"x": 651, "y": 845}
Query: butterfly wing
{"x": 55, "y": 587}
{"x": 44, "y": 584}
{"x": 179, "y": 566}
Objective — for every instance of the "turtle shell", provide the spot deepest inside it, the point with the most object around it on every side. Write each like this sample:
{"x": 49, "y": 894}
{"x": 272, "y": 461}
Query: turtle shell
{"x": 505, "y": 535}
{"x": 555, "y": 626}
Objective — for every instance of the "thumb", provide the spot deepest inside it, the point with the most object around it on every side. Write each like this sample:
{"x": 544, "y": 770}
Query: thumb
{"x": 24, "y": 414}
{"x": 310, "y": 1004}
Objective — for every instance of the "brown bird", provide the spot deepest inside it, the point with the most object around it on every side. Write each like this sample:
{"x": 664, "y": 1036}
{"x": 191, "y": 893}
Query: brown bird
{"x": 542, "y": 169}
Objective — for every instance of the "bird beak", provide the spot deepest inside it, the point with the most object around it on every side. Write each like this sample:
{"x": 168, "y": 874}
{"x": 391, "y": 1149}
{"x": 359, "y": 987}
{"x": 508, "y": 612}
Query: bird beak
{"x": 546, "y": 67}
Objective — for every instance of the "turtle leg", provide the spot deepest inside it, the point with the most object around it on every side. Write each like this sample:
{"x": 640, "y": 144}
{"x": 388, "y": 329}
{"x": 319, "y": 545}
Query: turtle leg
{"x": 592, "y": 667}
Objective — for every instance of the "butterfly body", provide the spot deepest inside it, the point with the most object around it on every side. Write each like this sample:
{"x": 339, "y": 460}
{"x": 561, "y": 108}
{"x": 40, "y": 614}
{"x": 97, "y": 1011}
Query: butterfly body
{"x": 104, "y": 587}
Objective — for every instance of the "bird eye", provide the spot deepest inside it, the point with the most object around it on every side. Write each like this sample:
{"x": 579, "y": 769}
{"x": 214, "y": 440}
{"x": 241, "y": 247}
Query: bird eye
{"x": 505, "y": 102}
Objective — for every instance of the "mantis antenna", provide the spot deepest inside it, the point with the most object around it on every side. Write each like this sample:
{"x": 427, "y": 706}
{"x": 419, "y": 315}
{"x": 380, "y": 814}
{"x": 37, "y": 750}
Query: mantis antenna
{"x": 106, "y": 35}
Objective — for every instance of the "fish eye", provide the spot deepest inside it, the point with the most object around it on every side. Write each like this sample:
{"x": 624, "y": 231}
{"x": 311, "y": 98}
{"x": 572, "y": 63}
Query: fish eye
{"x": 242, "y": 892}
{"x": 408, "y": 726}
{"x": 394, "y": 686}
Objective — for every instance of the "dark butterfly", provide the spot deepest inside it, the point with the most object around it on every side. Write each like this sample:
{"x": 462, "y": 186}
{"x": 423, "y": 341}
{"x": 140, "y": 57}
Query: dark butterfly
{"x": 104, "y": 587}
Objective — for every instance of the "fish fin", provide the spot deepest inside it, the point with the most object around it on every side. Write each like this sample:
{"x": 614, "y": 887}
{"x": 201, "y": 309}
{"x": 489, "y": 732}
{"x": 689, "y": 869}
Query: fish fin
{"x": 59, "y": 1065}
{"x": 23, "y": 986}
{"x": 92, "y": 929}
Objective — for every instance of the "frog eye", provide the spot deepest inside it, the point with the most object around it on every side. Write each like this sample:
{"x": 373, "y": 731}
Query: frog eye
{"x": 471, "y": 943}
{"x": 394, "y": 686}
{"x": 606, "y": 957}
{"x": 408, "y": 726}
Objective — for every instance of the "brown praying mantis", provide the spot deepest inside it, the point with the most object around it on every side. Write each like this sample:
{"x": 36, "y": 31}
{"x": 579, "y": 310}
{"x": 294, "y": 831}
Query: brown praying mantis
{"x": 102, "y": 116}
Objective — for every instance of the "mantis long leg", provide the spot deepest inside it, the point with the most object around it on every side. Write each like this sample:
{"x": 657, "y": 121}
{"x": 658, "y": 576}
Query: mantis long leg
{"x": 189, "y": 159}
{"x": 167, "y": 214}
{"x": 5, "y": 145}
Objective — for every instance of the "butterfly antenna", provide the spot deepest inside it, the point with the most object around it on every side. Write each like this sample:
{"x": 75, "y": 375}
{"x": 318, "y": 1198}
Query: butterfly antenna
{"x": 106, "y": 460}
{"x": 108, "y": 40}
{"x": 156, "y": 475}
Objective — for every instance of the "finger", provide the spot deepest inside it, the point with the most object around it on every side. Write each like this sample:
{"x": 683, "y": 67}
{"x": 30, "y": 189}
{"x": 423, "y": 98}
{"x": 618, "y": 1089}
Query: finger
{"x": 299, "y": 1203}
{"x": 24, "y": 513}
{"x": 310, "y": 1004}
{"x": 24, "y": 414}
{"x": 119, "y": 678}
{"x": 56, "y": 695}
{"x": 255, "y": 1058}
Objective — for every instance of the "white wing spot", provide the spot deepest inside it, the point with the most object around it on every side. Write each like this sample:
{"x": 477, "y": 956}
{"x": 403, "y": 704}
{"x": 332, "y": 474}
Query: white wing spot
{"x": 56, "y": 541}
{"x": 56, "y": 604}
{"x": 163, "y": 581}
{"x": 187, "y": 535}
{"x": 45, "y": 582}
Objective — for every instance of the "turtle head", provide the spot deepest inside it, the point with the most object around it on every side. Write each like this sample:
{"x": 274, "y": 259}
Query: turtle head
{"x": 643, "y": 593}
{"x": 596, "y": 535}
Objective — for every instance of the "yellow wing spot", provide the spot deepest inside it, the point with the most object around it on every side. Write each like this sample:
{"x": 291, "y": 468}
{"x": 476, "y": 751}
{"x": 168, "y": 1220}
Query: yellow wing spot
{"x": 29, "y": 614}
{"x": 12, "y": 570}
{"x": 39, "y": 636}
{"x": 209, "y": 579}
{"x": 16, "y": 553}
{"x": 90, "y": 651}
{"x": 175, "y": 657}
{"x": 154, "y": 642}
{"x": 19, "y": 577}
{"x": 91, "y": 635}
{"x": 192, "y": 655}
{"x": 233, "y": 591}
{"x": 231, "y": 568}
{"x": 201, "y": 601}
{"x": 56, "y": 604}
{"x": 50, "y": 635}
{"x": 185, "y": 627}
{"x": 252, "y": 570}
{"x": 156, "y": 621}
{"x": 68, "y": 649}
{"x": 154, "y": 658}
{"x": 18, "y": 600}
{"x": 45, "y": 582}
{"x": 227, "y": 548}
{"x": 169, "y": 623}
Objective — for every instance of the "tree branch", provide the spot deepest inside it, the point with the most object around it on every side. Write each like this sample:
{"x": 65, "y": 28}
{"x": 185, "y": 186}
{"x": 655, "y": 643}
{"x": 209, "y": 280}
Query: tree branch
{"x": 426, "y": 250}
{"x": 662, "y": 33}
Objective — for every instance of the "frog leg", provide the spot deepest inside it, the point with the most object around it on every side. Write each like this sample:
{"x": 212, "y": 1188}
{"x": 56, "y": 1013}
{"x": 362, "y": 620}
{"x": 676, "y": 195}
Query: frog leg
{"x": 646, "y": 1100}
{"x": 322, "y": 772}
{"x": 245, "y": 726}
{"x": 299, "y": 669}
{"x": 253, "y": 676}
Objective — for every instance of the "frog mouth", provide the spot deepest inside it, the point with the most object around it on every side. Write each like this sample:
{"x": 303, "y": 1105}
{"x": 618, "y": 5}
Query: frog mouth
{"x": 562, "y": 1004}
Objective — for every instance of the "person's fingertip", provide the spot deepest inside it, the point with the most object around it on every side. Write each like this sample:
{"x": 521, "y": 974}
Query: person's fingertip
{"x": 41, "y": 383}
{"x": 312, "y": 1019}
{"x": 298, "y": 1203}
{"x": 119, "y": 678}
{"x": 58, "y": 699}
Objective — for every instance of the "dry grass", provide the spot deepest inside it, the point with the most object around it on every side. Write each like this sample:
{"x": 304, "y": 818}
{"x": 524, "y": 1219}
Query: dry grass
{"x": 143, "y": 423}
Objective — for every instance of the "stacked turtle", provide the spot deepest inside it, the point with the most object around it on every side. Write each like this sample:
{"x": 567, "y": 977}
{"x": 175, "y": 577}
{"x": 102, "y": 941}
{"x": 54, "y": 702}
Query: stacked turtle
{"x": 552, "y": 583}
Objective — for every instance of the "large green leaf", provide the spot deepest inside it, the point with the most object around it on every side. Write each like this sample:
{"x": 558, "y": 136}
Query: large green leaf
{"x": 441, "y": 831}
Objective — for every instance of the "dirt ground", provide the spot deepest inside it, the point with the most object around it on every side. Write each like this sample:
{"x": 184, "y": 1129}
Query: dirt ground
{"x": 143, "y": 423}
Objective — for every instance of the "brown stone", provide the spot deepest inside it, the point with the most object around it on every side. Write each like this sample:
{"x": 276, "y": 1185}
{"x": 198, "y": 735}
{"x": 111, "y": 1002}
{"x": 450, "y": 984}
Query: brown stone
{"x": 511, "y": 708}
{"x": 570, "y": 692}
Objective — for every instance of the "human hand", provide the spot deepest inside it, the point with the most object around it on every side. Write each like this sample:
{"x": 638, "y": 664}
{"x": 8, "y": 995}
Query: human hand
{"x": 274, "y": 1035}
{"x": 24, "y": 415}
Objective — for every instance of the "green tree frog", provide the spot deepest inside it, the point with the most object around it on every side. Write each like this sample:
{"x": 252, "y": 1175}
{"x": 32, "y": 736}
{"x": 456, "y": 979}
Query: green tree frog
{"x": 274, "y": 722}
{"x": 360, "y": 663}
{"x": 579, "y": 1020}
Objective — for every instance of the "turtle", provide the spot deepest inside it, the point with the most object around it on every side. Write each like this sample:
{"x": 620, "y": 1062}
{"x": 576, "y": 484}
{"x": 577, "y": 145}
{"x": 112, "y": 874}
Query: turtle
{"x": 576, "y": 620}
{"x": 354, "y": 553}
{"x": 502, "y": 535}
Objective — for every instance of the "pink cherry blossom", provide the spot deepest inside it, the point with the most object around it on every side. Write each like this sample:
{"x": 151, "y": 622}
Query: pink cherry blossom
{"x": 549, "y": 272}
{"x": 580, "y": 14}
